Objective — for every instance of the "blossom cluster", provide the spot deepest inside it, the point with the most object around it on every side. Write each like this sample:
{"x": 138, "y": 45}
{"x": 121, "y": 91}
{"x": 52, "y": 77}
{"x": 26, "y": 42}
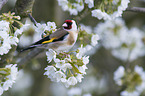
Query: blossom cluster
{"x": 8, "y": 77}
{"x": 9, "y": 37}
{"x": 90, "y": 85}
{"x": 6, "y": 40}
{"x": 34, "y": 33}
{"x": 134, "y": 80}
{"x": 110, "y": 9}
{"x": 67, "y": 68}
{"x": 75, "y": 6}
{"x": 125, "y": 44}
{"x": 104, "y": 9}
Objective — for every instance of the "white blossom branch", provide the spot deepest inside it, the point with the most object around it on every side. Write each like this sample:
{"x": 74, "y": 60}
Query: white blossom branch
{"x": 136, "y": 9}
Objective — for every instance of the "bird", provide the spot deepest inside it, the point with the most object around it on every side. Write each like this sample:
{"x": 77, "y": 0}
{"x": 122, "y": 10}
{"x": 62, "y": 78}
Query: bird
{"x": 62, "y": 39}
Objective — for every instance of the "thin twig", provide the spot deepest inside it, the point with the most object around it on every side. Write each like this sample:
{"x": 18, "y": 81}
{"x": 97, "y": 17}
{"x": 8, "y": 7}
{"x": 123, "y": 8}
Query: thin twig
{"x": 136, "y": 9}
{"x": 32, "y": 19}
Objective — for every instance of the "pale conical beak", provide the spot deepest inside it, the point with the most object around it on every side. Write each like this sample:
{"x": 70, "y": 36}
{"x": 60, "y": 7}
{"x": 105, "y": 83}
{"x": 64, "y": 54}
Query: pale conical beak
{"x": 64, "y": 25}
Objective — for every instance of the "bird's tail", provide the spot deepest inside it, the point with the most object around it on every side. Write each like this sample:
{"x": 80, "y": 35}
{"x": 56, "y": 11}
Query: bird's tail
{"x": 31, "y": 47}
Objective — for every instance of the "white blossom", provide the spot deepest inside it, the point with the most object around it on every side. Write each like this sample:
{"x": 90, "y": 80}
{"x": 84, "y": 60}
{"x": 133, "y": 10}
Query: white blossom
{"x": 64, "y": 4}
{"x": 11, "y": 72}
{"x": 58, "y": 75}
{"x": 90, "y": 3}
{"x": 72, "y": 80}
{"x": 59, "y": 63}
{"x": 51, "y": 54}
{"x": 94, "y": 40}
{"x": 99, "y": 14}
{"x": 1, "y": 91}
{"x": 73, "y": 8}
{"x": 103, "y": 15}
{"x": 5, "y": 45}
{"x": 82, "y": 69}
{"x": 7, "y": 84}
{"x": 14, "y": 40}
{"x": 40, "y": 28}
{"x": 140, "y": 88}
{"x": 65, "y": 66}
{"x": 81, "y": 52}
{"x": 65, "y": 82}
{"x": 118, "y": 74}
{"x": 4, "y": 26}
{"x": 50, "y": 26}
{"x": 79, "y": 77}
{"x": 50, "y": 70}
{"x": 28, "y": 25}
{"x": 86, "y": 60}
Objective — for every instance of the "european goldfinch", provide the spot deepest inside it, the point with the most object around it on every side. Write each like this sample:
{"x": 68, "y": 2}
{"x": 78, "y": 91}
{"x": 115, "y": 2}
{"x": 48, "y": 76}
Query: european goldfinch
{"x": 61, "y": 40}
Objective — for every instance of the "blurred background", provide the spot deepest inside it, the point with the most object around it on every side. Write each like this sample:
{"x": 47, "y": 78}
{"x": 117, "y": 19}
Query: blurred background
{"x": 99, "y": 78}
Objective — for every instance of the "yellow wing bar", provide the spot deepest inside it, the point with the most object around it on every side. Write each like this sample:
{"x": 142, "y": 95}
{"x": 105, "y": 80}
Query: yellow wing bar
{"x": 48, "y": 41}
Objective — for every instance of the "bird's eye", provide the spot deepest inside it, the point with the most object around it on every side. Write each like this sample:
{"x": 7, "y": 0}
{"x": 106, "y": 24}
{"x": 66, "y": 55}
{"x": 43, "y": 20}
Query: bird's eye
{"x": 69, "y": 23}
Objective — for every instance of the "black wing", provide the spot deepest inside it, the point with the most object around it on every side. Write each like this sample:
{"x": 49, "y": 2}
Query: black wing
{"x": 47, "y": 38}
{"x": 42, "y": 40}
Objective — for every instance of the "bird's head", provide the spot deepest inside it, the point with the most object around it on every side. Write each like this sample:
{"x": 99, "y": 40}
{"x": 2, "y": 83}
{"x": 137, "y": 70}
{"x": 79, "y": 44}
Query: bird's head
{"x": 70, "y": 25}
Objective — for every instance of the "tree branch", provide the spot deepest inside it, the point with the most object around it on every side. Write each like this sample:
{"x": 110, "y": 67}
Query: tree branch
{"x": 142, "y": 0}
{"x": 2, "y": 3}
{"x": 33, "y": 53}
{"x": 82, "y": 14}
{"x": 24, "y": 7}
{"x": 136, "y": 9}
{"x": 32, "y": 19}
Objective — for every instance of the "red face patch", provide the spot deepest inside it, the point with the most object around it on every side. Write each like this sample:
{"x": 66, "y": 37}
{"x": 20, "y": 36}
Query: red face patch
{"x": 68, "y": 20}
{"x": 69, "y": 24}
